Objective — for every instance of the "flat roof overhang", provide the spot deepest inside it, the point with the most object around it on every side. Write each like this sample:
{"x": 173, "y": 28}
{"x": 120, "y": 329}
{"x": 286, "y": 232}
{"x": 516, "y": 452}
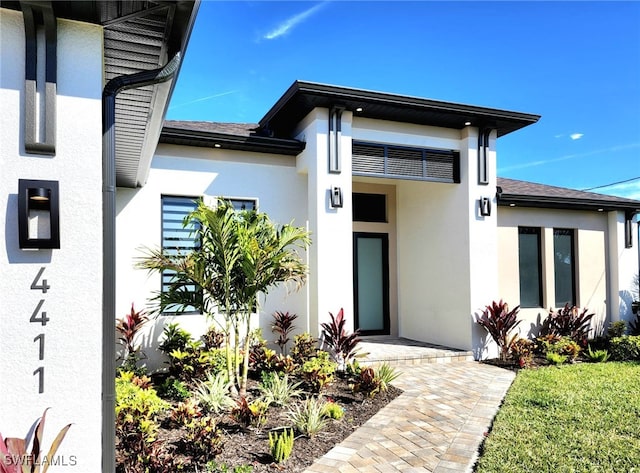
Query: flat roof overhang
{"x": 302, "y": 97}
{"x": 208, "y": 139}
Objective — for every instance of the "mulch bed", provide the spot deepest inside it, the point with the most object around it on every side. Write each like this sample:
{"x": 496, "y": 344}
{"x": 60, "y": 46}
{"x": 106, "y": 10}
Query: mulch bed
{"x": 250, "y": 446}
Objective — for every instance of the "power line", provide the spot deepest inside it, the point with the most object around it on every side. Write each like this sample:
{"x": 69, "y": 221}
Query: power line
{"x": 612, "y": 184}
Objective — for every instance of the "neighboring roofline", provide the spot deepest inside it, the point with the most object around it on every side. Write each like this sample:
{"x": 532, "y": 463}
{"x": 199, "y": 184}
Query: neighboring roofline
{"x": 252, "y": 143}
{"x": 589, "y": 201}
{"x": 302, "y": 94}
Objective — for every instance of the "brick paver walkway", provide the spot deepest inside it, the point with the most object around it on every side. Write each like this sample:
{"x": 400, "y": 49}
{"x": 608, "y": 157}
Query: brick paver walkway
{"x": 436, "y": 425}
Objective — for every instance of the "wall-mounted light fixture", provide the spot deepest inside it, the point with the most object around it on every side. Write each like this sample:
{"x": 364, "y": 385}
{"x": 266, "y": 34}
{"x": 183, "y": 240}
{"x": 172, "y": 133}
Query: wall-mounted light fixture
{"x": 38, "y": 214}
{"x": 485, "y": 206}
{"x": 335, "y": 194}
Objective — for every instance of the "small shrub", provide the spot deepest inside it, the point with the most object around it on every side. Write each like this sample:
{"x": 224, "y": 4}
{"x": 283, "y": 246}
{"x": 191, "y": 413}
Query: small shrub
{"x": 386, "y": 375}
{"x": 522, "y": 350}
{"x": 128, "y": 328}
{"x": 367, "y": 382}
{"x": 343, "y": 345}
{"x": 282, "y": 326}
{"x": 174, "y": 338}
{"x": 185, "y": 412}
{"x": 616, "y": 329}
{"x": 308, "y": 417}
{"x": 304, "y": 348}
{"x": 568, "y": 322}
{"x": 261, "y": 358}
{"x": 596, "y": 356}
{"x": 559, "y": 345}
{"x": 318, "y": 371}
{"x": 499, "y": 321}
{"x": 247, "y": 414}
{"x": 203, "y": 440}
{"x": 625, "y": 348}
{"x": 213, "y": 339}
{"x": 172, "y": 388}
{"x": 214, "y": 393}
{"x": 333, "y": 411}
{"x": 281, "y": 445}
{"x": 277, "y": 390}
{"x": 556, "y": 358}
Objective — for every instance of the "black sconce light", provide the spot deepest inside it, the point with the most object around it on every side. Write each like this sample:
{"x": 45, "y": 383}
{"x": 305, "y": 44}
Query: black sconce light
{"x": 38, "y": 214}
{"x": 485, "y": 206}
{"x": 336, "y": 197}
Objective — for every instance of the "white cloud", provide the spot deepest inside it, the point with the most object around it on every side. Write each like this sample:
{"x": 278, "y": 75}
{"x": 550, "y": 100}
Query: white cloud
{"x": 287, "y": 25}
{"x": 576, "y": 136}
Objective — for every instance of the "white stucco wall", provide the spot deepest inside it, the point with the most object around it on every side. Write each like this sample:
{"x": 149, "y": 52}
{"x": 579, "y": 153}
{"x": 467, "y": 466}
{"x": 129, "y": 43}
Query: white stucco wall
{"x": 190, "y": 171}
{"x": 592, "y": 254}
{"x": 72, "y": 350}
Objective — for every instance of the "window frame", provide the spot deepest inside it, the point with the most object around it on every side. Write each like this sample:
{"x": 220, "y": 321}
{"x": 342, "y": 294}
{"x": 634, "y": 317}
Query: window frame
{"x": 527, "y": 230}
{"x": 565, "y": 232}
{"x": 163, "y": 285}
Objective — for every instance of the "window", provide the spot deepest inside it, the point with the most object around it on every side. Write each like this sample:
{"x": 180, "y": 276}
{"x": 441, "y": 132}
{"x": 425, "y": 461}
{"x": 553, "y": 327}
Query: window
{"x": 177, "y": 239}
{"x": 564, "y": 267}
{"x": 369, "y": 208}
{"x": 243, "y": 204}
{"x": 530, "y": 265}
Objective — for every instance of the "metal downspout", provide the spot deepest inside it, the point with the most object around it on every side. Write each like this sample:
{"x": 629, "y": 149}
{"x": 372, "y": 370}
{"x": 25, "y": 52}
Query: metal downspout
{"x": 113, "y": 87}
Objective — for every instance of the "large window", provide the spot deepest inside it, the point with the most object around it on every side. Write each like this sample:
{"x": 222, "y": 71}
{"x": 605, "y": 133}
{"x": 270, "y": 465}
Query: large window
{"x": 530, "y": 267}
{"x": 178, "y": 239}
{"x": 564, "y": 267}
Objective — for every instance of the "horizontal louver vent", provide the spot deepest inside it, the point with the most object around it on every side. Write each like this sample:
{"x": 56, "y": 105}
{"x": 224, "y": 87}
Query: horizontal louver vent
{"x": 405, "y": 163}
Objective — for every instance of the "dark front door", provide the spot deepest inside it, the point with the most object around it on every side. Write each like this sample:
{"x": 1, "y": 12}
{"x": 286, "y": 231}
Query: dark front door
{"x": 371, "y": 282}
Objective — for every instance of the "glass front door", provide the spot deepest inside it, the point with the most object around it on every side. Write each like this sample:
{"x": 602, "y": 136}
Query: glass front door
{"x": 371, "y": 282}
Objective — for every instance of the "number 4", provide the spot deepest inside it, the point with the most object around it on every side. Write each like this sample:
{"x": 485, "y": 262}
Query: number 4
{"x": 44, "y": 286}
{"x": 43, "y": 319}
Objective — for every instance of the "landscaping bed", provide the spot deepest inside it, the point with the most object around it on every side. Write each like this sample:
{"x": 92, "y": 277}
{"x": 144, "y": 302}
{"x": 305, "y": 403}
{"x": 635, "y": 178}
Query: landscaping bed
{"x": 250, "y": 445}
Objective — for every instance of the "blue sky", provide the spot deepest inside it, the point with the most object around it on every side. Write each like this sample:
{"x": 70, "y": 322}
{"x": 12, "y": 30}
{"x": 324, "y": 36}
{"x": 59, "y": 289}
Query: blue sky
{"x": 575, "y": 63}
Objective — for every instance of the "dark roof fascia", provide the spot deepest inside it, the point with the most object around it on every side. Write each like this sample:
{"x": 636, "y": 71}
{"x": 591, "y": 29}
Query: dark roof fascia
{"x": 566, "y": 203}
{"x": 205, "y": 139}
{"x": 403, "y": 106}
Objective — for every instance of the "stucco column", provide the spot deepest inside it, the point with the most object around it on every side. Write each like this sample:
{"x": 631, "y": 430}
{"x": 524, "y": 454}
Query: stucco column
{"x": 483, "y": 235}
{"x": 330, "y": 282}
{"x": 623, "y": 264}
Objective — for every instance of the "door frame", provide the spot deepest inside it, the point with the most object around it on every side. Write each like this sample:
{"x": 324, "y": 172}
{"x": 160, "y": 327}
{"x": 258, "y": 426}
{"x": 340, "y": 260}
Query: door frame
{"x": 386, "y": 330}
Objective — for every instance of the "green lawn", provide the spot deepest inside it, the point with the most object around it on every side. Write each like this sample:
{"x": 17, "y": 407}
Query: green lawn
{"x": 573, "y": 418}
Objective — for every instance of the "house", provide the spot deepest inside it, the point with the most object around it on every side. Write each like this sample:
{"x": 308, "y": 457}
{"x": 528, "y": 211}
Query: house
{"x": 413, "y": 233}
{"x": 62, "y": 65}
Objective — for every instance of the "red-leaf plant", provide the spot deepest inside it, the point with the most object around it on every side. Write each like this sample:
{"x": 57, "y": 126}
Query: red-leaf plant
{"x": 568, "y": 322}
{"x": 343, "y": 345}
{"x": 128, "y": 327}
{"x": 498, "y": 320}
{"x": 283, "y": 326}
{"x": 13, "y": 451}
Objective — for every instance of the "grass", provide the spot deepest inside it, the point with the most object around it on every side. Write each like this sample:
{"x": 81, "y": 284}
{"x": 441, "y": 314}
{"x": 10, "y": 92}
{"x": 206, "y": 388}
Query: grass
{"x": 573, "y": 418}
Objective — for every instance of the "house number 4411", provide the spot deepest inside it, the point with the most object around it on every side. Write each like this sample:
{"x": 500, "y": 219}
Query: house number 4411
{"x": 39, "y": 316}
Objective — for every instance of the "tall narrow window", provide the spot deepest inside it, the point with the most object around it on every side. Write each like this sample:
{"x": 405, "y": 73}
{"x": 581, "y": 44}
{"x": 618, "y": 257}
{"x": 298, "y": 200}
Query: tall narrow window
{"x": 530, "y": 267}
{"x": 564, "y": 267}
{"x": 178, "y": 239}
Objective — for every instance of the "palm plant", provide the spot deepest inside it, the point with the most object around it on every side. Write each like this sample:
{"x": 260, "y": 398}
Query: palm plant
{"x": 240, "y": 255}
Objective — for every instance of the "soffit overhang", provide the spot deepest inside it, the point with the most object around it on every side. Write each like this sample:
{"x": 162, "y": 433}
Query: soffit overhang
{"x": 302, "y": 97}
{"x": 138, "y": 36}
